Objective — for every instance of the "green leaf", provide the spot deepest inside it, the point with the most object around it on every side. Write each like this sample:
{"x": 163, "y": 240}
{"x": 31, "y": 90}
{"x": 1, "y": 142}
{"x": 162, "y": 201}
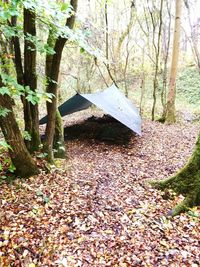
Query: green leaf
{"x": 42, "y": 155}
{"x": 64, "y": 6}
{"x": 46, "y": 199}
{"x": 4, "y": 90}
{"x": 4, "y": 112}
{"x": 82, "y": 50}
{"x": 12, "y": 167}
{"x": 39, "y": 193}
{"x": 4, "y": 145}
{"x": 35, "y": 211}
{"x": 27, "y": 136}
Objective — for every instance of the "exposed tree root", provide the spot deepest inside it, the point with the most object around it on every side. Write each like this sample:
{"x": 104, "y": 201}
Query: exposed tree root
{"x": 192, "y": 195}
{"x": 186, "y": 182}
{"x": 185, "y": 205}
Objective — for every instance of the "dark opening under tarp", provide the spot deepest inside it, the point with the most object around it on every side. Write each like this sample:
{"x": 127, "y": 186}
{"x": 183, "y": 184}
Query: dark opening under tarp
{"x": 111, "y": 100}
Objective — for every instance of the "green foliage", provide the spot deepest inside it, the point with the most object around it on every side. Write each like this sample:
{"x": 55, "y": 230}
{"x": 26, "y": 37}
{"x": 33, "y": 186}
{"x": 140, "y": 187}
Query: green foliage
{"x": 11, "y": 86}
{"x": 4, "y": 112}
{"x": 42, "y": 155}
{"x": 188, "y": 85}
{"x": 40, "y": 46}
{"x": 43, "y": 196}
{"x": 4, "y": 91}
{"x": 26, "y": 136}
{"x": 4, "y": 146}
{"x": 36, "y": 96}
{"x": 8, "y": 9}
{"x": 6, "y": 162}
{"x": 13, "y": 89}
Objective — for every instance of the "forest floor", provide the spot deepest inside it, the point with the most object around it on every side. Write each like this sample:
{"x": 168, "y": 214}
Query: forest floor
{"x": 98, "y": 208}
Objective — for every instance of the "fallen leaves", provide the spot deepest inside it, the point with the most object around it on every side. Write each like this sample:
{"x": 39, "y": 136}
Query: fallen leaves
{"x": 99, "y": 210}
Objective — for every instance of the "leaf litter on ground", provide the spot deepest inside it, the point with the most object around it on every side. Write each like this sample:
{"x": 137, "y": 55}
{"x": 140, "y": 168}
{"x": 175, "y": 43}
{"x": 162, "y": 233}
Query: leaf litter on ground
{"x": 98, "y": 208}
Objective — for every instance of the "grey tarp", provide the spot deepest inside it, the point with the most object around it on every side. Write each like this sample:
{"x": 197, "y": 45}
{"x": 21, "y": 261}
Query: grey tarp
{"x": 111, "y": 100}
{"x": 74, "y": 104}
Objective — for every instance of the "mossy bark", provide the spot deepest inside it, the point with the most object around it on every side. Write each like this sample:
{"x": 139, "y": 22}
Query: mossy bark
{"x": 21, "y": 158}
{"x": 58, "y": 142}
{"x": 52, "y": 85}
{"x": 31, "y": 113}
{"x": 170, "y": 114}
{"x": 185, "y": 182}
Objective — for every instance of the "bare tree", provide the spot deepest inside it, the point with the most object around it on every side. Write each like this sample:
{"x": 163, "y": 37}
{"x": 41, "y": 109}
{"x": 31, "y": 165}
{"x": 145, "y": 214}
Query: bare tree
{"x": 194, "y": 35}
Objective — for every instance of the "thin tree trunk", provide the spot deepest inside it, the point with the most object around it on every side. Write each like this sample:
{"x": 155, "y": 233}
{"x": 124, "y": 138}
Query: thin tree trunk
{"x": 31, "y": 115}
{"x": 157, "y": 52}
{"x": 17, "y": 54}
{"x": 170, "y": 107}
{"x": 107, "y": 46}
{"x": 166, "y": 57}
{"x": 126, "y": 32}
{"x": 194, "y": 36}
{"x": 52, "y": 87}
{"x": 142, "y": 86}
{"x": 58, "y": 142}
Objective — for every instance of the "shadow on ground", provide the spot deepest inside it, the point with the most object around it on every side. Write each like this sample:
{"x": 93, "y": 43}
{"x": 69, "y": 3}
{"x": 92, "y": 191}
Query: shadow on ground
{"x": 101, "y": 129}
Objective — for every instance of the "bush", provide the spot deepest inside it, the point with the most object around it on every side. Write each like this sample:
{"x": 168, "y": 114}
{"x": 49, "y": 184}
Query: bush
{"x": 188, "y": 85}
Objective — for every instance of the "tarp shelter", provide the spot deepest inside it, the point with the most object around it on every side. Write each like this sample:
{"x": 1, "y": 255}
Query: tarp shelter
{"x": 111, "y": 101}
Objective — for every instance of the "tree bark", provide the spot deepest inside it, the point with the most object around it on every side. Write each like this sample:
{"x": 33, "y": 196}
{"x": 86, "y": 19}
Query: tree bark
{"x": 185, "y": 182}
{"x": 194, "y": 36}
{"x": 58, "y": 142}
{"x": 107, "y": 65}
{"x": 31, "y": 114}
{"x": 156, "y": 45}
{"x": 170, "y": 107}
{"x": 17, "y": 54}
{"x": 24, "y": 164}
{"x": 166, "y": 45}
{"x": 52, "y": 86}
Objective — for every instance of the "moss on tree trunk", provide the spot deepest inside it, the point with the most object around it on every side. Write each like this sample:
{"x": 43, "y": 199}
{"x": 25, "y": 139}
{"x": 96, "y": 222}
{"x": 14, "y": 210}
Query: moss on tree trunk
{"x": 31, "y": 114}
{"x": 21, "y": 158}
{"x": 185, "y": 182}
{"x": 170, "y": 116}
{"x": 58, "y": 142}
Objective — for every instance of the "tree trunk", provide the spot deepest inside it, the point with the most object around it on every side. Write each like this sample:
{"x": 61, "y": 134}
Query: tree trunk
{"x": 156, "y": 46}
{"x": 52, "y": 87}
{"x": 31, "y": 114}
{"x": 194, "y": 35}
{"x": 185, "y": 182}
{"x": 58, "y": 142}
{"x": 52, "y": 107}
{"x": 17, "y": 53}
{"x": 107, "y": 65}
{"x": 24, "y": 164}
{"x": 166, "y": 45}
{"x": 170, "y": 107}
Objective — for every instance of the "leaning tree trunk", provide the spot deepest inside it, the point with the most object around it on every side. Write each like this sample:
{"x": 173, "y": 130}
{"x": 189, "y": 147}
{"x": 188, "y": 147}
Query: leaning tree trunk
{"x": 58, "y": 141}
{"x": 24, "y": 164}
{"x": 185, "y": 182}
{"x": 52, "y": 86}
{"x": 31, "y": 114}
{"x": 52, "y": 107}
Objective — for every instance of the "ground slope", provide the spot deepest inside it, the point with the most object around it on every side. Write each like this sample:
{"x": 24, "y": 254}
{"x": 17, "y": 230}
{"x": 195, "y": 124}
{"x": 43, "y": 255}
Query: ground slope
{"x": 99, "y": 209}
